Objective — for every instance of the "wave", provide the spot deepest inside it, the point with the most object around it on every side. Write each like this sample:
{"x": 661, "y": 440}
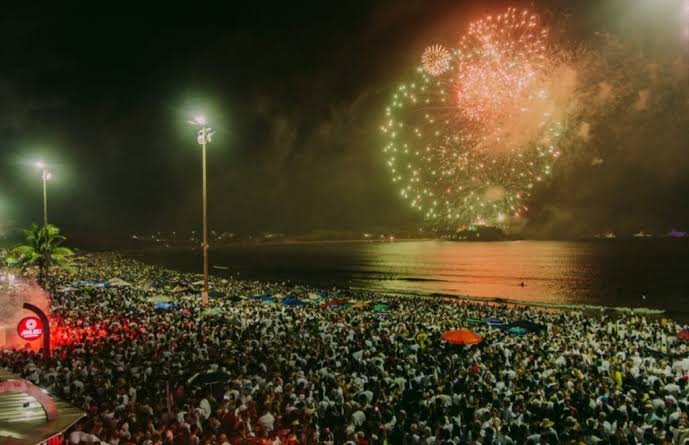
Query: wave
{"x": 517, "y": 302}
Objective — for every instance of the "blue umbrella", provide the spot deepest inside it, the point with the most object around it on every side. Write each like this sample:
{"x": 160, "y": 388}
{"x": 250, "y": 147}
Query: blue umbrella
{"x": 517, "y": 330}
{"x": 522, "y": 327}
{"x": 494, "y": 323}
{"x": 292, "y": 301}
{"x": 215, "y": 294}
{"x": 266, "y": 298}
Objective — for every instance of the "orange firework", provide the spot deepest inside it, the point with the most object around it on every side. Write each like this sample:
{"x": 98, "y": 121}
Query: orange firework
{"x": 502, "y": 81}
{"x": 501, "y": 61}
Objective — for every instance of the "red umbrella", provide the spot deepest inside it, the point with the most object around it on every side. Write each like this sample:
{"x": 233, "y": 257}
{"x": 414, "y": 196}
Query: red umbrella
{"x": 462, "y": 337}
{"x": 683, "y": 335}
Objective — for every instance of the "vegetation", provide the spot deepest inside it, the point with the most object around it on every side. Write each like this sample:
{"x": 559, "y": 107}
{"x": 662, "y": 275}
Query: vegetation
{"x": 43, "y": 250}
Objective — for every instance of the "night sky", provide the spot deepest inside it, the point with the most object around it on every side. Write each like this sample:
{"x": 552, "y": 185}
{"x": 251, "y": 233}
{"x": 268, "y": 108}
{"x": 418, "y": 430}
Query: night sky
{"x": 295, "y": 92}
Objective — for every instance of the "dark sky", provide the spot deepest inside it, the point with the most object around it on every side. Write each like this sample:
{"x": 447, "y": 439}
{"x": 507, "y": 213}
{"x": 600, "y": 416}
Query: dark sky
{"x": 295, "y": 91}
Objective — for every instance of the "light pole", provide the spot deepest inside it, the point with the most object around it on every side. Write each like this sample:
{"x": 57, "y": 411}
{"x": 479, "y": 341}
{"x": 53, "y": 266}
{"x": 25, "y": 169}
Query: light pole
{"x": 204, "y": 136}
{"x": 45, "y": 175}
{"x": 685, "y": 31}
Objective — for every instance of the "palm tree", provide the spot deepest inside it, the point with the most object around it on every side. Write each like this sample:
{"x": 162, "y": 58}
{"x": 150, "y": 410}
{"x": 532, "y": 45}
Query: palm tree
{"x": 43, "y": 249}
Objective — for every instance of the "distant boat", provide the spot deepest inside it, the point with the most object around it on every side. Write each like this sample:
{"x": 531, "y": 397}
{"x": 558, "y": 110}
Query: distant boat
{"x": 220, "y": 267}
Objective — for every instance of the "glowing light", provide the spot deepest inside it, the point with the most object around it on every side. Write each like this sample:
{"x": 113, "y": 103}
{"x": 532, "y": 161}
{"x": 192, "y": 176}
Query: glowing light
{"x": 39, "y": 164}
{"x": 200, "y": 120}
{"x": 436, "y": 60}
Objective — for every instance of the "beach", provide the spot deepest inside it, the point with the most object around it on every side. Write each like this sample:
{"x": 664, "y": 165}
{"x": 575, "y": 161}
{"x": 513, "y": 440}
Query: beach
{"x": 287, "y": 363}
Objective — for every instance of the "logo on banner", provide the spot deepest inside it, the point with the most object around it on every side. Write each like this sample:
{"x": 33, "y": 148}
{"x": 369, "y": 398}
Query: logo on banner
{"x": 30, "y": 328}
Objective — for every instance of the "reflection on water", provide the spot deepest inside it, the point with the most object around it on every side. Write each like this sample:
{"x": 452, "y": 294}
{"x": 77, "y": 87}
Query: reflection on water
{"x": 516, "y": 270}
{"x": 614, "y": 273}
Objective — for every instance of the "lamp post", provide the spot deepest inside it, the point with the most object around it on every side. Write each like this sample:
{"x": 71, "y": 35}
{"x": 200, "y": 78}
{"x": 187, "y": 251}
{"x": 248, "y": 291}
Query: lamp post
{"x": 45, "y": 175}
{"x": 685, "y": 31}
{"x": 203, "y": 137}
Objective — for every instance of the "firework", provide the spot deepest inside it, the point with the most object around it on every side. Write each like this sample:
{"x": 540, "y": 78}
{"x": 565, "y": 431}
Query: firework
{"x": 467, "y": 144}
{"x": 499, "y": 64}
{"x": 436, "y": 60}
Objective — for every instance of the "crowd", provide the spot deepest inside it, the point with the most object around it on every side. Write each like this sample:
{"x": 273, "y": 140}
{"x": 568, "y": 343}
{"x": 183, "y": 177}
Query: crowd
{"x": 325, "y": 374}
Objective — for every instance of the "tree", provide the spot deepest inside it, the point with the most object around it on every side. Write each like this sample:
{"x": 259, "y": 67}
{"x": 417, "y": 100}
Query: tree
{"x": 43, "y": 249}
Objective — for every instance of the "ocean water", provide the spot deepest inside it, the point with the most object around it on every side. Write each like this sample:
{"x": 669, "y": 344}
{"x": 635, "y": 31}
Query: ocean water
{"x": 643, "y": 273}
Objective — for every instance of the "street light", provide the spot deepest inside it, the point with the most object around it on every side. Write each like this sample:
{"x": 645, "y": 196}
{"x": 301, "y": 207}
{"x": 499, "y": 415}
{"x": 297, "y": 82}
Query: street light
{"x": 45, "y": 175}
{"x": 685, "y": 17}
{"x": 203, "y": 137}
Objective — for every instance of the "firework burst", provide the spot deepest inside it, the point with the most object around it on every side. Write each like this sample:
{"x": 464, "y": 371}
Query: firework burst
{"x": 436, "y": 60}
{"x": 467, "y": 145}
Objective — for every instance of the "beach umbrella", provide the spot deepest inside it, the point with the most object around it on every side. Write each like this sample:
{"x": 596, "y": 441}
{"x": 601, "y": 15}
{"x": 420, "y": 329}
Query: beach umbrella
{"x": 462, "y": 337}
{"x": 267, "y": 299}
{"x": 494, "y": 323}
{"x": 473, "y": 321}
{"x": 529, "y": 326}
{"x": 93, "y": 283}
{"x": 380, "y": 307}
{"x": 215, "y": 294}
{"x": 517, "y": 330}
{"x": 118, "y": 282}
{"x": 209, "y": 378}
{"x": 292, "y": 301}
{"x": 683, "y": 335}
{"x": 159, "y": 299}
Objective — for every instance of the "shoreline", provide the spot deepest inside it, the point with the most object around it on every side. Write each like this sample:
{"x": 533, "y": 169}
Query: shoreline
{"x": 645, "y": 311}
{"x": 494, "y": 300}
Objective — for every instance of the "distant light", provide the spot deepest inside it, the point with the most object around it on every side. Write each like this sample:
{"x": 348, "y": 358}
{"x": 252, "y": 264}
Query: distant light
{"x": 201, "y": 120}
{"x": 39, "y": 164}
